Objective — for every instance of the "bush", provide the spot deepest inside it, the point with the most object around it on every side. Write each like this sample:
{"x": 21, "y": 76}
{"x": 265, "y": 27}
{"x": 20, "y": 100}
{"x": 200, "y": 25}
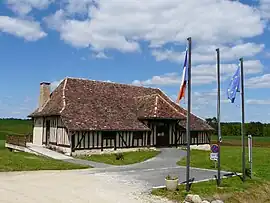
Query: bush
{"x": 119, "y": 156}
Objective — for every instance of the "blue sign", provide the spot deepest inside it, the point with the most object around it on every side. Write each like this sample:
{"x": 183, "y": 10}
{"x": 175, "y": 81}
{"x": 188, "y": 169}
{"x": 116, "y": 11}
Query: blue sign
{"x": 214, "y": 148}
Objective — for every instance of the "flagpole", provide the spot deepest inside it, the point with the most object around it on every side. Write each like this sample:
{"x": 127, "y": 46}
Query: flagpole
{"x": 218, "y": 114}
{"x": 243, "y": 121}
{"x": 188, "y": 116}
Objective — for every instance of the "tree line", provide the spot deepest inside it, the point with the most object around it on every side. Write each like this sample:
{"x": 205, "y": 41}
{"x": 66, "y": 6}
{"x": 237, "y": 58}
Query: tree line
{"x": 256, "y": 129}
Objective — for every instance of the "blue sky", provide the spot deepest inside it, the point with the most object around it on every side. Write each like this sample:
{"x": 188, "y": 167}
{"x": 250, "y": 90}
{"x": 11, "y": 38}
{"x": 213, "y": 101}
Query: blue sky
{"x": 138, "y": 42}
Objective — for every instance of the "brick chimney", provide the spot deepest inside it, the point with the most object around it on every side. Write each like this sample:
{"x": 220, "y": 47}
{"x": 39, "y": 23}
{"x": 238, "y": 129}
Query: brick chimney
{"x": 44, "y": 94}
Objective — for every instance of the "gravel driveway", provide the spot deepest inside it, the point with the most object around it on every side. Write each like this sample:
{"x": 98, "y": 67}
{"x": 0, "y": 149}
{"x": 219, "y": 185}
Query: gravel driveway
{"x": 71, "y": 186}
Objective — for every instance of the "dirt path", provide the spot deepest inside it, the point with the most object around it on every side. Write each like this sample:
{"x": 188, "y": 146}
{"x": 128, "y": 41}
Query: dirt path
{"x": 71, "y": 186}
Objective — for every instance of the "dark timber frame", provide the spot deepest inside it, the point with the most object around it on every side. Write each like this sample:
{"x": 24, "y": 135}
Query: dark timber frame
{"x": 88, "y": 140}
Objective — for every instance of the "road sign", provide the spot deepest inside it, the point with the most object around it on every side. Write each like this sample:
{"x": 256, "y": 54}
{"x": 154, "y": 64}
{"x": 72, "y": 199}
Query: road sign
{"x": 214, "y": 148}
{"x": 214, "y": 156}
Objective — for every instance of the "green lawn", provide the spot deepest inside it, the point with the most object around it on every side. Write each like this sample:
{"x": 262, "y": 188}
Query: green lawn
{"x": 14, "y": 127}
{"x": 227, "y": 138}
{"x": 21, "y": 161}
{"x": 231, "y": 160}
{"x": 232, "y": 189}
{"x": 236, "y": 141}
{"x": 2, "y": 144}
{"x": 207, "y": 190}
{"x": 128, "y": 157}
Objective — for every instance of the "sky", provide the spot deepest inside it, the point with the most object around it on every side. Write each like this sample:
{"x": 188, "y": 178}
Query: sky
{"x": 136, "y": 42}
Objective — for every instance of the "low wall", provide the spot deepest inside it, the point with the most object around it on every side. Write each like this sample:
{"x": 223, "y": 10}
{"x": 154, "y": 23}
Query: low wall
{"x": 63, "y": 150}
{"x": 109, "y": 151}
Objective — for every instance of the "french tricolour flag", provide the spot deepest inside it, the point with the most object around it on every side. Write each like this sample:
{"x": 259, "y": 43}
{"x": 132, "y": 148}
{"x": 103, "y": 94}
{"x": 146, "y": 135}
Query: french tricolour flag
{"x": 183, "y": 86}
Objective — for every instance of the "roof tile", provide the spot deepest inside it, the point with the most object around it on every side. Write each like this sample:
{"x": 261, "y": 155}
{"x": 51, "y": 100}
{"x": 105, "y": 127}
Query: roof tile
{"x": 95, "y": 105}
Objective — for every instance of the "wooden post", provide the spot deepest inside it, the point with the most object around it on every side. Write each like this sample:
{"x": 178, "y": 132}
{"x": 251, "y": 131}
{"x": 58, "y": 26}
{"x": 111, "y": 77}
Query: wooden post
{"x": 101, "y": 141}
{"x": 115, "y": 142}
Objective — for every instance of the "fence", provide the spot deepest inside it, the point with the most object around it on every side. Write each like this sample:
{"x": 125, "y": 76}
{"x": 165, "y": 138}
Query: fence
{"x": 19, "y": 140}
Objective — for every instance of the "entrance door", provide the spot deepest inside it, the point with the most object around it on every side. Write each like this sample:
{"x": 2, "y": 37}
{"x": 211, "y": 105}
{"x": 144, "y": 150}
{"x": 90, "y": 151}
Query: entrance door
{"x": 47, "y": 132}
{"x": 162, "y": 135}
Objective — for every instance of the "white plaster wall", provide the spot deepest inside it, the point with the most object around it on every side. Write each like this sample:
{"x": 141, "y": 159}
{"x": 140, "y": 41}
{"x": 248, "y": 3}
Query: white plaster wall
{"x": 37, "y": 131}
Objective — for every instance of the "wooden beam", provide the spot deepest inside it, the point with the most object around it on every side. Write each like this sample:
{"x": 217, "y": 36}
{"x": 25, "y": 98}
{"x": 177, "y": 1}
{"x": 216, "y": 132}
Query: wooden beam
{"x": 82, "y": 138}
{"x": 115, "y": 147}
{"x": 72, "y": 139}
{"x": 123, "y": 141}
{"x": 101, "y": 141}
{"x": 178, "y": 138}
{"x": 175, "y": 135}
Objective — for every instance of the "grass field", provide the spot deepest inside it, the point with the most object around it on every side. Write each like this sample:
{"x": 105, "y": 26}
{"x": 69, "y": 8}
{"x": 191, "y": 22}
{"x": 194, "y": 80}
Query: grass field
{"x": 232, "y": 190}
{"x": 14, "y": 127}
{"x": 231, "y": 160}
{"x": 236, "y": 141}
{"x": 20, "y": 161}
{"x": 128, "y": 157}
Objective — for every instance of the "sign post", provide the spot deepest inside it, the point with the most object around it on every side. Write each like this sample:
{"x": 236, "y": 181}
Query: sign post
{"x": 250, "y": 153}
{"x": 214, "y": 153}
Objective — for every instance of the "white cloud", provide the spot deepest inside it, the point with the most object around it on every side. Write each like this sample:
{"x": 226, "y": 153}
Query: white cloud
{"x": 265, "y": 8}
{"x": 78, "y": 6}
{"x": 262, "y": 81}
{"x": 29, "y": 30}
{"x": 202, "y": 74}
{"x": 206, "y": 54}
{"x": 69, "y": 32}
{"x": 23, "y": 7}
{"x": 258, "y": 101}
{"x": 120, "y": 25}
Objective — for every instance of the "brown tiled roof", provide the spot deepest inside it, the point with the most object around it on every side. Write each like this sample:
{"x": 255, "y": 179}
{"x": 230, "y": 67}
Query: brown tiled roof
{"x": 154, "y": 106}
{"x": 95, "y": 105}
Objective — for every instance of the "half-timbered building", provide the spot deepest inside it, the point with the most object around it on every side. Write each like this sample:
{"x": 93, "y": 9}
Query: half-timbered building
{"x": 83, "y": 114}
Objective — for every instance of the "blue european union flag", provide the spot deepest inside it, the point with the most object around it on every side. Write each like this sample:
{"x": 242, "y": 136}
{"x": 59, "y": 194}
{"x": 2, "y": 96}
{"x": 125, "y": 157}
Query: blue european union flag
{"x": 234, "y": 85}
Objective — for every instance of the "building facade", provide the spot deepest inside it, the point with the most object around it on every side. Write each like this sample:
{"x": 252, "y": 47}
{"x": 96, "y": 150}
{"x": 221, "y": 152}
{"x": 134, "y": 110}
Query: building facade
{"x": 90, "y": 115}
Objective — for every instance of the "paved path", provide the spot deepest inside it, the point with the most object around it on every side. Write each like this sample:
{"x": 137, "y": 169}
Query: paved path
{"x": 151, "y": 172}
{"x": 167, "y": 158}
{"x": 47, "y": 152}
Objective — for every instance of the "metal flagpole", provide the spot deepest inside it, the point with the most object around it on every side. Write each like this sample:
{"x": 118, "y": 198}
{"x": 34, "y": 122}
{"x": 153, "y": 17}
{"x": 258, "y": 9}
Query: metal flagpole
{"x": 243, "y": 121}
{"x": 188, "y": 116}
{"x": 218, "y": 114}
